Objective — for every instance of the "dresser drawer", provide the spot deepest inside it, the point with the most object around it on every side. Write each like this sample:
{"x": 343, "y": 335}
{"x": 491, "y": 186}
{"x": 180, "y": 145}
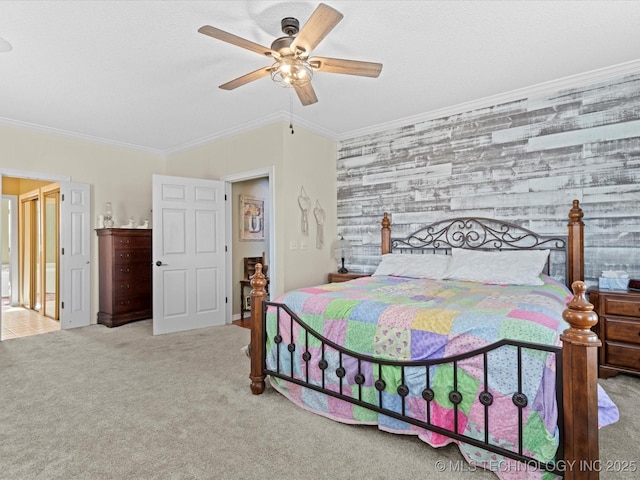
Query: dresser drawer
{"x": 627, "y": 356}
{"x": 623, "y": 330}
{"x": 131, "y": 304}
{"x": 127, "y": 288}
{"x": 132, "y": 272}
{"x": 130, "y": 242}
{"x": 621, "y": 306}
{"x": 132, "y": 256}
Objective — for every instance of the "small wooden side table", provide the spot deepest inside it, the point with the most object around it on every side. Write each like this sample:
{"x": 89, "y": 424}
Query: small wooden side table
{"x": 345, "y": 277}
{"x": 619, "y": 330}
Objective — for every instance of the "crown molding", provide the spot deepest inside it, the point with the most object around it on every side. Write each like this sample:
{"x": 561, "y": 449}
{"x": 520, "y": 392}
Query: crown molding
{"x": 551, "y": 86}
{"x": 269, "y": 119}
{"x": 281, "y": 116}
{"x": 593, "y": 76}
{"x": 312, "y": 127}
{"x": 76, "y": 136}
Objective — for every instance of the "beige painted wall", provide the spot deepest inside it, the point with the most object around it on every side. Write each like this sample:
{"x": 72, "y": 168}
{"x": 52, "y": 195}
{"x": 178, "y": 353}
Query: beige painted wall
{"x": 304, "y": 158}
{"x": 119, "y": 175}
{"x": 123, "y": 176}
{"x": 309, "y": 162}
{"x": 18, "y": 186}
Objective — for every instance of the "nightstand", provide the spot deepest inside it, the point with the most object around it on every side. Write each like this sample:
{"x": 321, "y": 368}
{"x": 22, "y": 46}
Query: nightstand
{"x": 345, "y": 277}
{"x": 619, "y": 330}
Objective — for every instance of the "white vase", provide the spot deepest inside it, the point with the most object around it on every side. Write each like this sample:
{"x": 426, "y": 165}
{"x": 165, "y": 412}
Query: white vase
{"x": 254, "y": 224}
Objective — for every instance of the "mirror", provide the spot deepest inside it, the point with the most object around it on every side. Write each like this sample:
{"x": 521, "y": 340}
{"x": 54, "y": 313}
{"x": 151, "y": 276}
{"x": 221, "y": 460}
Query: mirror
{"x": 51, "y": 260}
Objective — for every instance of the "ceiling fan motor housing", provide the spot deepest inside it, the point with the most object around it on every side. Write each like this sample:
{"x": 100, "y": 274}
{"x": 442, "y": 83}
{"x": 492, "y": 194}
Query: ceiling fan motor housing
{"x": 290, "y": 26}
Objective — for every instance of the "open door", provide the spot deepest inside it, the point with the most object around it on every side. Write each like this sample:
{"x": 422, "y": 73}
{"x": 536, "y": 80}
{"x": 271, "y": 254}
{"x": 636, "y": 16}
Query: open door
{"x": 75, "y": 254}
{"x": 188, "y": 253}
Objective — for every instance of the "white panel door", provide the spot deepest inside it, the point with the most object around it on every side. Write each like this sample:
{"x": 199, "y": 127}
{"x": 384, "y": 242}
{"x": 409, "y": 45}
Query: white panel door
{"x": 188, "y": 253}
{"x": 75, "y": 254}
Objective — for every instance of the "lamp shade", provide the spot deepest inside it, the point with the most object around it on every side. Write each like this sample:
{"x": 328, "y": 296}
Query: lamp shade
{"x": 342, "y": 249}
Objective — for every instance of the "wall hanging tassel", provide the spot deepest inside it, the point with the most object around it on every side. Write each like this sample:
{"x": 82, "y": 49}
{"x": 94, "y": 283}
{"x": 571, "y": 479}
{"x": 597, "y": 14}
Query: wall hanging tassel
{"x": 318, "y": 212}
{"x": 304, "y": 202}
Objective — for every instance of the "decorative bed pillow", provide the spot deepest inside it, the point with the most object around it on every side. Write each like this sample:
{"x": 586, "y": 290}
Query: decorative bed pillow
{"x": 432, "y": 266}
{"x": 509, "y": 267}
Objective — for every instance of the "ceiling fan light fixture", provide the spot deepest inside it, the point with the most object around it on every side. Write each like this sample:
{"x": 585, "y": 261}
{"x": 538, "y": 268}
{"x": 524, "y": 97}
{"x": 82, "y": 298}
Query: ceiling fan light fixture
{"x": 291, "y": 72}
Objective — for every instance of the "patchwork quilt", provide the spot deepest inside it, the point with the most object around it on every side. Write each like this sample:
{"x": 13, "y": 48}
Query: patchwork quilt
{"x": 397, "y": 318}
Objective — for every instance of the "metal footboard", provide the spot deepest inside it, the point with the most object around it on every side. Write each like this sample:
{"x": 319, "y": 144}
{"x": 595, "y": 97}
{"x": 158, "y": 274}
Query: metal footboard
{"x": 353, "y": 371}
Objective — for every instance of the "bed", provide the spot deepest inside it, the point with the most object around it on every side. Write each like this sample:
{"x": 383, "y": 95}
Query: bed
{"x": 435, "y": 345}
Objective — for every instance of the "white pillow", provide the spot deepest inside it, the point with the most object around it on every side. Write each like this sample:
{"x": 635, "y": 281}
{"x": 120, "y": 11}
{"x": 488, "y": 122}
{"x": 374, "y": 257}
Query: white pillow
{"x": 510, "y": 267}
{"x": 410, "y": 265}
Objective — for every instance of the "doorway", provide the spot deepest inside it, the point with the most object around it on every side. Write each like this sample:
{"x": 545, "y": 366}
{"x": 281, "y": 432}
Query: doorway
{"x": 30, "y": 263}
{"x": 256, "y": 183}
{"x": 73, "y": 287}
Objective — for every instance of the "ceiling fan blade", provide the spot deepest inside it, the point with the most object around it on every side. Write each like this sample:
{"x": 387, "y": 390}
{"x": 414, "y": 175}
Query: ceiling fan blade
{"x": 249, "y": 77}
{"x": 320, "y": 23}
{"x": 238, "y": 41}
{"x": 306, "y": 94}
{"x": 347, "y": 67}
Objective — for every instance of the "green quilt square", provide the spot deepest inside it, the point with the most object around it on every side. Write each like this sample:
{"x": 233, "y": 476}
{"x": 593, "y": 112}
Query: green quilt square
{"x": 340, "y": 308}
{"x": 537, "y": 440}
{"x": 443, "y": 385}
{"x": 359, "y": 337}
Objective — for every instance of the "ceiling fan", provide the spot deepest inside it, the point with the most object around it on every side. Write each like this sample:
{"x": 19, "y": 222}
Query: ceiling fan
{"x": 292, "y": 65}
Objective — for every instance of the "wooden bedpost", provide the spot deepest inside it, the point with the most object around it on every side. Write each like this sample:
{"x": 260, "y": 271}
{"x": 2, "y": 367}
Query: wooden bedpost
{"x": 258, "y": 295}
{"x": 386, "y": 234}
{"x": 576, "y": 244}
{"x": 580, "y": 387}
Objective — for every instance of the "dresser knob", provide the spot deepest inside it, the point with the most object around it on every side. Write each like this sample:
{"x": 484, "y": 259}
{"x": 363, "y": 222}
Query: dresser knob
{"x": 124, "y": 286}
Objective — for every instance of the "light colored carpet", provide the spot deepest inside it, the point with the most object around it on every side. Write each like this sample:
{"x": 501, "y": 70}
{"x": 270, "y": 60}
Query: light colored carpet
{"x": 99, "y": 403}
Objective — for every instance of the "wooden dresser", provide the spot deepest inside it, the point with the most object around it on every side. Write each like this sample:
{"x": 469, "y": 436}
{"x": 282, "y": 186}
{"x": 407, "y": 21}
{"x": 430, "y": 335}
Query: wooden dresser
{"x": 619, "y": 330}
{"x": 124, "y": 257}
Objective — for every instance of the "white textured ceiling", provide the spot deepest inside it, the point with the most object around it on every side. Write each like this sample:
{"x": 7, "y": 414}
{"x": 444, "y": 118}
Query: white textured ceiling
{"x": 137, "y": 73}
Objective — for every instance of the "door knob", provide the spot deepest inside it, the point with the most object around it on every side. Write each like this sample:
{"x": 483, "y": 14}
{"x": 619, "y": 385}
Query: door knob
{"x": 159, "y": 263}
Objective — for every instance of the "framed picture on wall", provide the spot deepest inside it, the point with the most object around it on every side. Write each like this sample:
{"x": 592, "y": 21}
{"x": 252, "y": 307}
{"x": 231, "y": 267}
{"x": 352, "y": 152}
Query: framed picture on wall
{"x": 251, "y": 218}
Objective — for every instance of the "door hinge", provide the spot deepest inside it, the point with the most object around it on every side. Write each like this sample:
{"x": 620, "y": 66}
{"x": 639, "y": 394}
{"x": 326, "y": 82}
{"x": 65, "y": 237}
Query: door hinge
{"x": 226, "y": 299}
{"x": 62, "y": 196}
{"x": 61, "y": 304}
{"x": 225, "y": 248}
{"x": 62, "y": 250}
{"x": 225, "y": 197}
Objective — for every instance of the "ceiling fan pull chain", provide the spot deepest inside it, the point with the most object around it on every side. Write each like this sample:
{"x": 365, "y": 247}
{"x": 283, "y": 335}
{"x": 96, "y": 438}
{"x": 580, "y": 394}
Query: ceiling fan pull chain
{"x": 290, "y": 114}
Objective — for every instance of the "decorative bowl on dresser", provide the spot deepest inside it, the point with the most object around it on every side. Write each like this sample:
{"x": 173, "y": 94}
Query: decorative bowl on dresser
{"x": 124, "y": 257}
{"x": 619, "y": 330}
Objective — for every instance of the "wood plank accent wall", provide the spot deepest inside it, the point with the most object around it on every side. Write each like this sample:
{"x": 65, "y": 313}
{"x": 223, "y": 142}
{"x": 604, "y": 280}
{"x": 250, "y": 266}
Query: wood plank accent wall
{"x": 523, "y": 161}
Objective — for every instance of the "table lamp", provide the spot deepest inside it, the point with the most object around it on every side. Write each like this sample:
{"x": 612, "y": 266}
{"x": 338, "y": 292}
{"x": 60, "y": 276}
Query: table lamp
{"x": 342, "y": 251}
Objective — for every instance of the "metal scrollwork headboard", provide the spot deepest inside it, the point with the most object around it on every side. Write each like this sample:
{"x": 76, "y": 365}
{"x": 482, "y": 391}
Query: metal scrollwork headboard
{"x": 476, "y": 233}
